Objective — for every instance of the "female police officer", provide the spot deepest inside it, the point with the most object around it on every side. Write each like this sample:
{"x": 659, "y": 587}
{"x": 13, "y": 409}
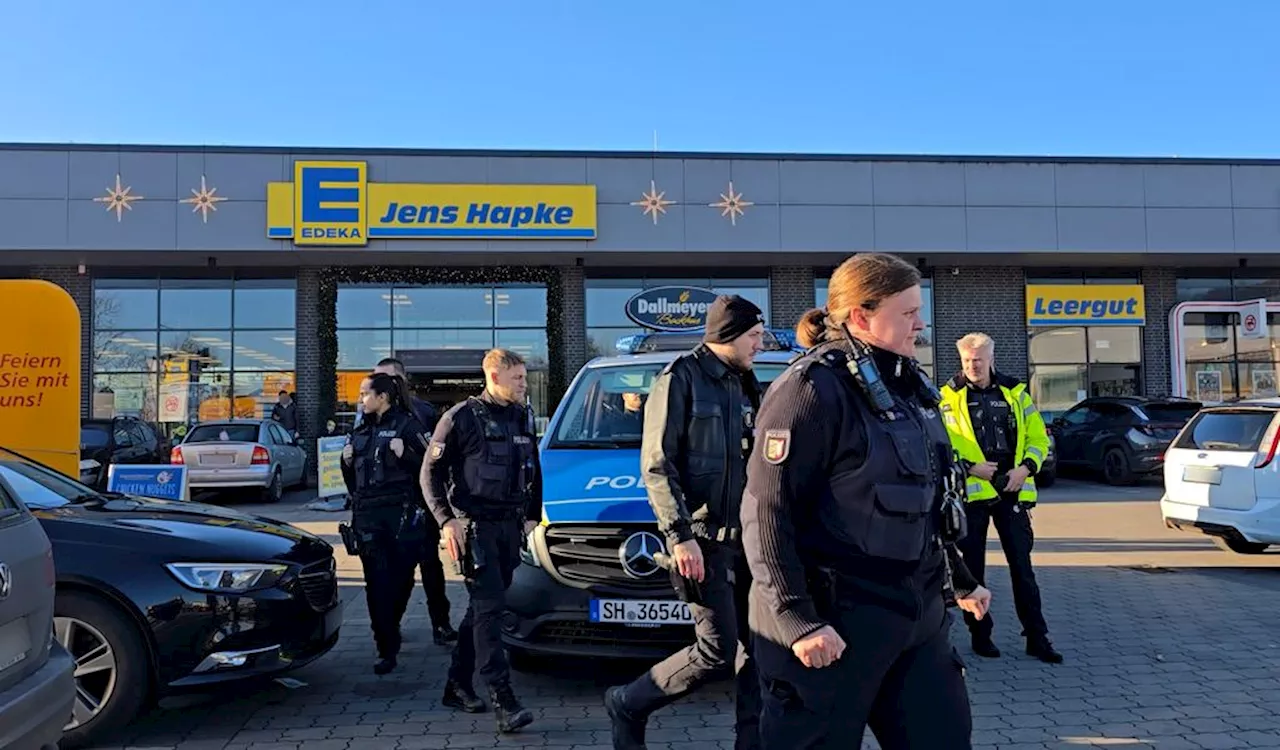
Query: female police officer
{"x": 842, "y": 530}
{"x": 380, "y": 465}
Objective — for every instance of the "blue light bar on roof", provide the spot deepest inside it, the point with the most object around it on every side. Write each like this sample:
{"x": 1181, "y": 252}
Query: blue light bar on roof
{"x": 775, "y": 340}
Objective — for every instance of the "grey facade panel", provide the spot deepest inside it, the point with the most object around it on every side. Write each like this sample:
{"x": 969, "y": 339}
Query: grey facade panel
{"x": 1099, "y": 185}
{"x": 623, "y": 227}
{"x": 1117, "y": 230}
{"x": 1255, "y": 186}
{"x": 1009, "y": 185}
{"x": 705, "y": 180}
{"x": 1190, "y": 230}
{"x": 920, "y": 228}
{"x": 525, "y": 171}
{"x": 231, "y": 226}
{"x": 915, "y": 184}
{"x": 1011, "y": 229}
{"x": 91, "y": 173}
{"x": 757, "y": 229}
{"x": 1190, "y": 186}
{"x": 375, "y": 165}
{"x": 146, "y": 226}
{"x": 623, "y": 181}
{"x": 1257, "y": 229}
{"x": 757, "y": 181}
{"x": 33, "y": 224}
{"x": 435, "y": 169}
{"x": 828, "y": 228}
{"x": 825, "y": 183}
{"x": 33, "y": 174}
{"x": 236, "y": 177}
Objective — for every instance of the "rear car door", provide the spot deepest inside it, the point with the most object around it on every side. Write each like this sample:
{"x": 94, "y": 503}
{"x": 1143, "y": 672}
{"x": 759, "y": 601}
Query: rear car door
{"x": 26, "y": 592}
{"x": 1071, "y": 431}
{"x": 1215, "y": 460}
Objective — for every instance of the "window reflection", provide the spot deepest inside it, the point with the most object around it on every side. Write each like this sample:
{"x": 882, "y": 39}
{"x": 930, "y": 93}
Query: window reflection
{"x": 265, "y": 304}
{"x": 520, "y": 307}
{"x": 364, "y": 307}
{"x": 529, "y": 343}
{"x": 264, "y": 350}
{"x": 443, "y": 307}
{"x": 124, "y": 351}
{"x": 199, "y": 351}
{"x": 361, "y": 350}
{"x": 262, "y": 389}
{"x": 126, "y": 304}
{"x": 195, "y": 304}
{"x": 448, "y": 339}
{"x": 124, "y": 395}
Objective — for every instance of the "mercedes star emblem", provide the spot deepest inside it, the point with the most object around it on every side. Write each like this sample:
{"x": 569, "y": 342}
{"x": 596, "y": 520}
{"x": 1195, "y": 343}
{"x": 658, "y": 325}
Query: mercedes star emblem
{"x": 6, "y": 581}
{"x": 637, "y": 552}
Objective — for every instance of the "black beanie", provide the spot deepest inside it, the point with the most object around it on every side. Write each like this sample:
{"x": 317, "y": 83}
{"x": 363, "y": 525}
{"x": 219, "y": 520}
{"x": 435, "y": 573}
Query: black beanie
{"x": 729, "y": 317}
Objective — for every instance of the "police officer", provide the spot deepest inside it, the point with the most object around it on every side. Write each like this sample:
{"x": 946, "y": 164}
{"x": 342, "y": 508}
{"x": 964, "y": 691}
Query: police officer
{"x": 483, "y": 483}
{"x": 430, "y": 565}
{"x": 1002, "y": 441}
{"x": 379, "y": 466}
{"x": 697, "y": 436}
{"x": 843, "y": 526}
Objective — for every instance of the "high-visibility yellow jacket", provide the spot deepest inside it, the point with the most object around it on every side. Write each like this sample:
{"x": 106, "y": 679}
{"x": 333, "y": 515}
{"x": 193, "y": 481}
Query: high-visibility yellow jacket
{"x": 1033, "y": 437}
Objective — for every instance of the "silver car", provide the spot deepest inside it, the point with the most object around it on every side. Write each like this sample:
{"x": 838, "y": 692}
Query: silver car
{"x": 37, "y": 683}
{"x": 242, "y": 454}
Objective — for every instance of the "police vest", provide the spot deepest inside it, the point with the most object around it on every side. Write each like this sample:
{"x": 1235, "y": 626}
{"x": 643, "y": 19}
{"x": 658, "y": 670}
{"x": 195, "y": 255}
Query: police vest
{"x": 488, "y": 473}
{"x": 885, "y": 500}
{"x": 381, "y": 479}
{"x": 1033, "y": 439}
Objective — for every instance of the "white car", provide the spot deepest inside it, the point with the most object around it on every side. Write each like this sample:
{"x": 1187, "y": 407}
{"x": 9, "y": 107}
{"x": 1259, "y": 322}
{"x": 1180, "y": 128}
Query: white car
{"x": 1222, "y": 476}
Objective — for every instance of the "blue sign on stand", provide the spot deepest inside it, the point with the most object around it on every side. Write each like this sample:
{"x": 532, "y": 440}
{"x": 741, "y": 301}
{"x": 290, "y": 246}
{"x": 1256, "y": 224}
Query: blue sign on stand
{"x": 159, "y": 481}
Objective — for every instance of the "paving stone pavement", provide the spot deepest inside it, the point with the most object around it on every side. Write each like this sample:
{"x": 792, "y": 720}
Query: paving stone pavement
{"x": 1154, "y": 659}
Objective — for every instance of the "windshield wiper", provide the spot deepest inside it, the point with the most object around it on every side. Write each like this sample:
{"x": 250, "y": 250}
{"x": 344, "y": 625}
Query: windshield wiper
{"x": 595, "y": 443}
{"x": 85, "y": 497}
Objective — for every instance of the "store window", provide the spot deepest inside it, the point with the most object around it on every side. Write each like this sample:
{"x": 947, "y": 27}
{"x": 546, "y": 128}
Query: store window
{"x": 1220, "y": 364}
{"x": 607, "y": 319}
{"x": 178, "y": 351}
{"x": 924, "y": 342}
{"x": 1070, "y": 363}
{"x": 381, "y": 321}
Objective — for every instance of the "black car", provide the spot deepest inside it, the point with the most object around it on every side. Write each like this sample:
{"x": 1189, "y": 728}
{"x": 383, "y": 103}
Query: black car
{"x": 1120, "y": 437}
{"x": 118, "y": 440}
{"x": 159, "y": 597}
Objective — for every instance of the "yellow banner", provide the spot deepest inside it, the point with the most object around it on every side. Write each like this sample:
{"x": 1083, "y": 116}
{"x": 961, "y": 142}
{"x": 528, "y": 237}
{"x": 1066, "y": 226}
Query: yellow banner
{"x": 329, "y": 463}
{"x": 40, "y": 374}
{"x": 1086, "y": 304}
{"x": 332, "y": 203}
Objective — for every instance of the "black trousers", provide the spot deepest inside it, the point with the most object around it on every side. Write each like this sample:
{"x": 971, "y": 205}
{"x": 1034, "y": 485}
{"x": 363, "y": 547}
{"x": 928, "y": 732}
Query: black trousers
{"x": 433, "y": 580}
{"x": 495, "y": 546}
{"x": 899, "y": 676}
{"x": 722, "y": 647}
{"x": 388, "y": 583}
{"x": 1016, "y": 537}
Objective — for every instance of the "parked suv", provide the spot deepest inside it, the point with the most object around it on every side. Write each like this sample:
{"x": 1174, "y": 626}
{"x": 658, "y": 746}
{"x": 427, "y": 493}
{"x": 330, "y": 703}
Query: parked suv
{"x": 1120, "y": 437}
{"x": 37, "y": 686}
{"x": 1221, "y": 476}
{"x": 118, "y": 440}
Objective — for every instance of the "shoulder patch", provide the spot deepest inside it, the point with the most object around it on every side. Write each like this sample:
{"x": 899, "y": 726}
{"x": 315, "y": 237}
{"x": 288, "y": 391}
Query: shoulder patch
{"x": 777, "y": 446}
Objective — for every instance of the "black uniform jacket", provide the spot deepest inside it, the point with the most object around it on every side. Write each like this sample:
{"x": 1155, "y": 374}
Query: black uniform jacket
{"x": 372, "y": 437}
{"x": 786, "y": 499}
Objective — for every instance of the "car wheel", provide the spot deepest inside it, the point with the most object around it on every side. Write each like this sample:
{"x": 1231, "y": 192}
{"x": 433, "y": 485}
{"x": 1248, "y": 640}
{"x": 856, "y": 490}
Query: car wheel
{"x": 113, "y": 675}
{"x": 1046, "y": 479}
{"x": 1115, "y": 467}
{"x": 274, "y": 491}
{"x": 1240, "y": 546}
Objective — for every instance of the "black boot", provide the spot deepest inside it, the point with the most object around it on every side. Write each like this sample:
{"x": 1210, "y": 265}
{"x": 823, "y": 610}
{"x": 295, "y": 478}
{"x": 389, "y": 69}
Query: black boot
{"x": 462, "y": 697}
{"x": 1042, "y": 649}
{"x": 983, "y": 646}
{"x": 443, "y": 635}
{"x": 384, "y": 665}
{"x": 628, "y": 731}
{"x": 511, "y": 715}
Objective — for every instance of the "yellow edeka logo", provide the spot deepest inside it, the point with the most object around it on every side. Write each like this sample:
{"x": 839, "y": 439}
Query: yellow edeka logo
{"x": 1086, "y": 304}
{"x": 333, "y": 203}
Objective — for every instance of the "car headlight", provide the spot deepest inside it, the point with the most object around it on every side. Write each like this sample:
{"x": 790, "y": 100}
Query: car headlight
{"x": 231, "y": 578}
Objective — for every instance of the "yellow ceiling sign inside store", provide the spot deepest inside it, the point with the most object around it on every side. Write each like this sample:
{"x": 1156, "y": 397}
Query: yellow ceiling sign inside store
{"x": 332, "y": 203}
{"x": 40, "y": 373}
{"x": 1086, "y": 304}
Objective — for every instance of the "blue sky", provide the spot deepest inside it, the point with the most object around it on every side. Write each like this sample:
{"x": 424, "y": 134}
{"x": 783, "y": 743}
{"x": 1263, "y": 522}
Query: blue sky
{"x": 1124, "y": 77}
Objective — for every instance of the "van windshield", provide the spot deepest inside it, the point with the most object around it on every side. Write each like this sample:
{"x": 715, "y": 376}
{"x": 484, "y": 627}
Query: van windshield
{"x": 1239, "y": 430}
{"x": 606, "y": 408}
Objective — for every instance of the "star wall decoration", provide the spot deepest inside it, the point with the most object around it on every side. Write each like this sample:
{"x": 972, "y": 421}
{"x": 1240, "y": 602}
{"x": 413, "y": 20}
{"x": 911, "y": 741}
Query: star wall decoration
{"x": 203, "y": 200}
{"x": 653, "y": 202}
{"x": 118, "y": 199}
{"x": 732, "y": 205}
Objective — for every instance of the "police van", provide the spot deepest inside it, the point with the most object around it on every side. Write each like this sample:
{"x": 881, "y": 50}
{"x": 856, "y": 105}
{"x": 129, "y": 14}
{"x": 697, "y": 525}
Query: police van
{"x": 588, "y": 585}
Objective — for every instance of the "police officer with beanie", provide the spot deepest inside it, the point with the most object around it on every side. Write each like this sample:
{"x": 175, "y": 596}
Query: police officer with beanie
{"x": 851, "y": 505}
{"x": 697, "y": 435}
{"x": 483, "y": 483}
{"x": 1002, "y": 442}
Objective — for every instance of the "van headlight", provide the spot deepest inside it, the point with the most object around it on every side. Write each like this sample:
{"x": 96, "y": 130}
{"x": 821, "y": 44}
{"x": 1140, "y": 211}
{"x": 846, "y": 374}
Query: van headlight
{"x": 527, "y": 555}
{"x": 231, "y": 578}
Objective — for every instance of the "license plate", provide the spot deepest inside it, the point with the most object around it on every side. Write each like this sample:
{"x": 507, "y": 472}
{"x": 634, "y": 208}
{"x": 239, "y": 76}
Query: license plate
{"x": 15, "y": 642}
{"x": 640, "y": 612}
{"x": 1202, "y": 474}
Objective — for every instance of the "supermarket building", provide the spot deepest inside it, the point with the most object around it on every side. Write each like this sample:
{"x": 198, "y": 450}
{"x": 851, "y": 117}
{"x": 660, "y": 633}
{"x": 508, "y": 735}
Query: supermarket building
{"x": 209, "y": 279}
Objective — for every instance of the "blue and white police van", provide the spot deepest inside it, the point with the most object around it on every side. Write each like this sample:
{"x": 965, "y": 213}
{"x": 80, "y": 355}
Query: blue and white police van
{"x": 589, "y": 585}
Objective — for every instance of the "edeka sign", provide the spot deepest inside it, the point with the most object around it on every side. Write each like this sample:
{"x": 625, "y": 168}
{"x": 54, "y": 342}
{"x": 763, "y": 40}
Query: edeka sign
{"x": 1086, "y": 304}
{"x": 671, "y": 308}
{"x": 40, "y": 374}
{"x": 332, "y": 203}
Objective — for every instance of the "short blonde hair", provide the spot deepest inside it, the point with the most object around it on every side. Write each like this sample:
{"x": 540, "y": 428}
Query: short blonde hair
{"x": 974, "y": 342}
{"x": 501, "y": 359}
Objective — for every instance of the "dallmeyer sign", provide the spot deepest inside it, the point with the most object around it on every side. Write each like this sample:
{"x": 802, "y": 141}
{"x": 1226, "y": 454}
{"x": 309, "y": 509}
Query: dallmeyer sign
{"x": 333, "y": 203}
{"x": 1086, "y": 304}
{"x": 671, "y": 308}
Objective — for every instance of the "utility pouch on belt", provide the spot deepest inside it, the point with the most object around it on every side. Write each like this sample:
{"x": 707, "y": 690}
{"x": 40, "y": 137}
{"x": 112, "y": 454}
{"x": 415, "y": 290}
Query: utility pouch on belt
{"x": 466, "y": 564}
{"x": 348, "y": 539}
{"x": 688, "y": 590}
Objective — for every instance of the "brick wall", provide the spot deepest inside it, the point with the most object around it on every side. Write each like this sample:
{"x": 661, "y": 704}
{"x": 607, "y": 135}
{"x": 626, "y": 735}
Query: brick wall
{"x": 80, "y": 287}
{"x": 988, "y": 299}
{"x": 790, "y": 295}
{"x": 1160, "y": 289}
{"x": 309, "y": 367}
{"x": 571, "y": 288}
